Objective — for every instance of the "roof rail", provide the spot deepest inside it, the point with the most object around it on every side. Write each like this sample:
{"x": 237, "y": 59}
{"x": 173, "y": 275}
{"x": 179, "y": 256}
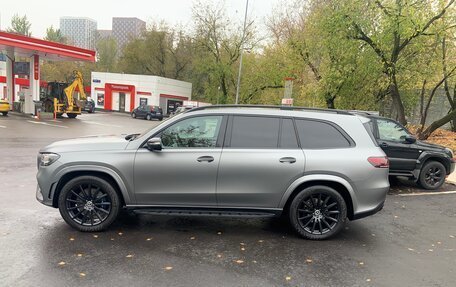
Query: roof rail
{"x": 342, "y": 112}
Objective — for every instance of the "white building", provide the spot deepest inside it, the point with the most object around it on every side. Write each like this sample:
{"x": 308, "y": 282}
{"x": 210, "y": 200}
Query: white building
{"x": 79, "y": 31}
{"x": 124, "y": 92}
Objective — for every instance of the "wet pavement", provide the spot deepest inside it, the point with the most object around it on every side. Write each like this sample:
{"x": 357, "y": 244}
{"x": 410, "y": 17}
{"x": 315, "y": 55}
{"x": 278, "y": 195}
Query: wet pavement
{"x": 409, "y": 243}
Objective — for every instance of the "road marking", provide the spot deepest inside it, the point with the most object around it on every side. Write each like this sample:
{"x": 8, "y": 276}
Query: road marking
{"x": 3, "y": 127}
{"x": 47, "y": 124}
{"x": 428, "y": 193}
{"x": 101, "y": 124}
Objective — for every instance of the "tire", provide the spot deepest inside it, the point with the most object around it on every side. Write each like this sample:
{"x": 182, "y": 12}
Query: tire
{"x": 432, "y": 175}
{"x": 5, "y": 113}
{"x": 89, "y": 212}
{"x": 72, "y": 116}
{"x": 160, "y": 118}
{"x": 318, "y": 212}
{"x": 133, "y": 115}
{"x": 148, "y": 117}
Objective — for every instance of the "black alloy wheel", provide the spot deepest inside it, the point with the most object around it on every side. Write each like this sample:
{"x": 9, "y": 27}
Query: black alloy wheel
{"x": 432, "y": 175}
{"x": 318, "y": 212}
{"x": 88, "y": 203}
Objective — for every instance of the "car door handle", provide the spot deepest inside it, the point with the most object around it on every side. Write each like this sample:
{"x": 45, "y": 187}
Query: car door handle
{"x": 205, "y": 158}
{"x": 287, "y": 160}
{"x": 384, "y": 144}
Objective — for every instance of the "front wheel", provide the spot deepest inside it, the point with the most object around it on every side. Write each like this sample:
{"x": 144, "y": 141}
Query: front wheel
{"x": 432, "y": 175}
{"x": 318, "y": 212}
{"x": 148, "y": 117}
{"x": 72, "y": 116}
{"x": 5, "y": 113}
{"x": 133, "y": 115}
{"x": 89, "y": 203}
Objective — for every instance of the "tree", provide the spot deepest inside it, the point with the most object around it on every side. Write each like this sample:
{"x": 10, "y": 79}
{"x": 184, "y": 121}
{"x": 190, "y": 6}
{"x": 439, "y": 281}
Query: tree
{"x": 54, "y": 35}
{"x": 20, "y": 25}
{"x": 107, "y": 55}
{"x": 401, "y": 24}
{"x": 220, "y": 42}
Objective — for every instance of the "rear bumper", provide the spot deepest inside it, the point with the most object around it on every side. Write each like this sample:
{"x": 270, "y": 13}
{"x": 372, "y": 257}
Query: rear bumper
{"x": 368, "y": 212}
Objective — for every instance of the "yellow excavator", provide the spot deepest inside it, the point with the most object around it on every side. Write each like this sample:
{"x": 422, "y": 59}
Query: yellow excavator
{"x": 66, "y": 103}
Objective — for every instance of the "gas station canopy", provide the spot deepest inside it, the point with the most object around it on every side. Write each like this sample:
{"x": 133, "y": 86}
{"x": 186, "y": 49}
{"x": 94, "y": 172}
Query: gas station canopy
{"x": 24, "y": 46}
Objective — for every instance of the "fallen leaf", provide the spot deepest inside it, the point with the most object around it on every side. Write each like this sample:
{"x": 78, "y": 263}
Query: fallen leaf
{"x": 308, "y": 260}
{"x": 396, "y": 216}
{"x": 82, "y": 274}
{"x": 361, "y": 263}
{"x": 71, "y": 239}
{"x": 254, "y": 261}
{"x": 129, "y": 256}
{"x": 433, "y": 245}
{"x": 149, "y": 239}
{"x": 451, "y": 236}
{"x": 61, "y": 263}
{"x": 373, "y": 234}
{"x": 288, "y": 278}
{"x": 219, "y": 255}
{"x": 112, "y": 239}
{"x": 430, "y": 250}
{"x": 239, "y": 261}
{"x": 219, "y": 233}
{"x": 260, "y": 241}
{"x": 95, "y": 236}
{"x": 192, "y": 238}
{"x": 79, "y": 255}
{"x": 411, "y": 249}
{"x": 242, "y": 243}
{"x": 242, "y": 249}
{"x": 167, "y": 268}
{"x": 368, "y": 280}
{"x": 438, "y": 242}
{"x": 120, "y": 233}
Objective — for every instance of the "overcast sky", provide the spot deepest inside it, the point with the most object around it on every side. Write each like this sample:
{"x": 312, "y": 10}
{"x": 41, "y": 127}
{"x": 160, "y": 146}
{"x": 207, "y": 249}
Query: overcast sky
{"x": 44, "y": 13}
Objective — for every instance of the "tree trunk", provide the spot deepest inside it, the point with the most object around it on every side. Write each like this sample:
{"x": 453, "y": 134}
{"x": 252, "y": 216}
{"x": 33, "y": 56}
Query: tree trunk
{"x": 437, "y": 124}
{"x": 330, "y": 102}
{"x": 397, "y": 102}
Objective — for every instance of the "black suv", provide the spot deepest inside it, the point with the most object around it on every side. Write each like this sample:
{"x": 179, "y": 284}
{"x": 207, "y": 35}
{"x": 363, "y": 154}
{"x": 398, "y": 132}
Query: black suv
{"x": 148, "y": 112}
{"x": 426, "y": 163}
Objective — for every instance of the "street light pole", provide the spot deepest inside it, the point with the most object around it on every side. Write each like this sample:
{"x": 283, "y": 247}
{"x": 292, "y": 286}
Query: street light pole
{"x": 241, "y": 52}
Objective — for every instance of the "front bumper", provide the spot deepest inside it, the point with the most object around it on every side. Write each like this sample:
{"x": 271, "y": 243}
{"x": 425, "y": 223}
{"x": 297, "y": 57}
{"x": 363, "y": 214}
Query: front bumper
{"x": 41, "y": 198}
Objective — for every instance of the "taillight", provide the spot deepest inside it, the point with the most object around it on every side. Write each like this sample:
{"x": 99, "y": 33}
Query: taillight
{"x": 379, "y": 161}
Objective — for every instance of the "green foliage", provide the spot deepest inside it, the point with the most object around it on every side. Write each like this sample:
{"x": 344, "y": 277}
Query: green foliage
{"x": 54, "y": 35}
{"x": 107, "y": 55}
{"x": 20, "y": 25}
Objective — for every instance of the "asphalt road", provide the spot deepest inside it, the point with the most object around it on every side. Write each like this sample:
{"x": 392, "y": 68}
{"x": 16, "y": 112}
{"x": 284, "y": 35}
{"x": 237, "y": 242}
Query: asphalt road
{"x": 409, "y": 243}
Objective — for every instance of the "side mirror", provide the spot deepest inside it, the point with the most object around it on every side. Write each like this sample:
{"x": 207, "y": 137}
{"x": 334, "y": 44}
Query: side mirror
{"x": 154, "y": 144}
{"x": 410, "y": 139}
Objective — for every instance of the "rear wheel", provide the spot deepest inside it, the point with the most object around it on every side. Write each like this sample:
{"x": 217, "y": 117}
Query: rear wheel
{"x": 89, "y": 203}
{"x": 148, "y": 117}
{"x": 160, "y": 118}
{"x": 432, "y": 175}
{"x": 5, "y": 113}
{"x": 133, "y": 115}
{"x": 72, "y": 116}
{"x": 318, "y": 212}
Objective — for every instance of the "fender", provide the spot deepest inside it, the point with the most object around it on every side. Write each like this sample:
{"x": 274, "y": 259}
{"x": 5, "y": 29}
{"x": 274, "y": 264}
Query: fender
{"x": 103, "y": 169}
{"x": 318, "y": 177}
{"x": 424, "y": 156}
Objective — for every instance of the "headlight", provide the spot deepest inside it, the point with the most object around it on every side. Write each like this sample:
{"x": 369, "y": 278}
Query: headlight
{"x": 46, "y": 159}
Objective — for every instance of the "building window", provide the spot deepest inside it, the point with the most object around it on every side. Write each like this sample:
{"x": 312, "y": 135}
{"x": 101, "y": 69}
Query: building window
{"x": 143, "y": 101}
{"x": 100, "y": 99}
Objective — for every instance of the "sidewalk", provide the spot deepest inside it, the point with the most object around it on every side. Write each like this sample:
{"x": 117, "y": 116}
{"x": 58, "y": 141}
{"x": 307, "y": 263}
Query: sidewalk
{"x": 452, "y": 177}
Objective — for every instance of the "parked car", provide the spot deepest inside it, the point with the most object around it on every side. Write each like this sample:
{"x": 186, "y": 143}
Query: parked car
{"x": 317, "y": 168}
{"x": 89, "y": 106}
{"x": 181, "y": 109}
{"x": 148, "y": 112}
{"x": 4, "y": 107}
{"x": 427, "y": 164}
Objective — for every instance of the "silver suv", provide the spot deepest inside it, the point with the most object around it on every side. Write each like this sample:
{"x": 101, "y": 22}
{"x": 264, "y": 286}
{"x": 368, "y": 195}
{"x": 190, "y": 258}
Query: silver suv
{"x": 315, "y": 167}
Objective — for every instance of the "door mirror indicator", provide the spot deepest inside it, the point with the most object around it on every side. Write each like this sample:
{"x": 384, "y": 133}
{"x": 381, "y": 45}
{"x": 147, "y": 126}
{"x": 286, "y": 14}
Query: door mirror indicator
{"x": 154, "y": 144}
{"x": 410, "y": 139}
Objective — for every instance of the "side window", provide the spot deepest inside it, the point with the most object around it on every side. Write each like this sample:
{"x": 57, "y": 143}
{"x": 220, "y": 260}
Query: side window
{"x": 391, "y": 131}
{"x": 197, "y": 132}
{"x": 255, "y": 132}
{"x": 320, "y": 135}
{"x": 288, "y": 135}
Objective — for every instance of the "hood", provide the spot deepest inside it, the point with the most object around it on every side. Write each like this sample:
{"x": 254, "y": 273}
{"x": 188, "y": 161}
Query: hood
{"x": 89, "y": 143}
{"x": 433, "y": 147}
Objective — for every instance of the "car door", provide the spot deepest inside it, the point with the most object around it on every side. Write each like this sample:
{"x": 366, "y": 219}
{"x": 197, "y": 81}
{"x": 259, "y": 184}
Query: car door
{"x": 391, "y": 138}
{"x": 184, "y": 172}
{"x": 140, "y": 112}
{"x": 260, "y": 159}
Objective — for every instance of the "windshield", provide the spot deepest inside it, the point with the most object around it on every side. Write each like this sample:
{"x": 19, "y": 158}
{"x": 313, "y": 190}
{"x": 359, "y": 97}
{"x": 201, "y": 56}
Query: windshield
{"x": 138, "y": 135}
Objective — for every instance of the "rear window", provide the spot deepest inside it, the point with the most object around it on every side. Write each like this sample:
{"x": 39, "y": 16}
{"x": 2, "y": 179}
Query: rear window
{"x": 369, "y": 126}
{"x": 288, "y": 135}
{"x": 255, "y": 132}
{"x": 320, "y": 135}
